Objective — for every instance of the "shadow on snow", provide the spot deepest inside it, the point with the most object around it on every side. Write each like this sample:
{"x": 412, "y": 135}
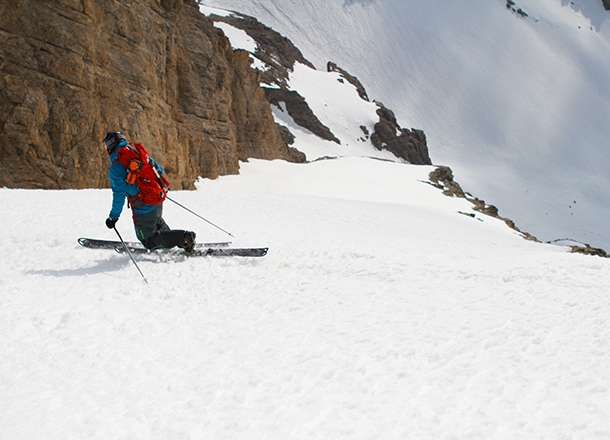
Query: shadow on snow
{"x": 101, "y": 266}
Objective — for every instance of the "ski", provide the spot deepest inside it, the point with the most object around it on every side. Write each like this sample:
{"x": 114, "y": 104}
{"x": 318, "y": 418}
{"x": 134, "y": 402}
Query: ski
{"x": 94, "y": 243}
{"x": 206, "y": 252}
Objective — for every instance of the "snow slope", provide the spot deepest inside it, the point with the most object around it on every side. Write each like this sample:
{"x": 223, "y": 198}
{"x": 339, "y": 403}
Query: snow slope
{"x": 383, "y": 310}
{"x": 518, "y": 107}
{"x": 380, "y": 312}
{"x": 333, "y": 100}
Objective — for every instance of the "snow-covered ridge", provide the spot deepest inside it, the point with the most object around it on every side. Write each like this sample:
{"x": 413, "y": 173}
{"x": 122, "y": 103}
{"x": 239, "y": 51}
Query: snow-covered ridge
{"x": 340, "y": 104}
{"x": 516, "y": 105}
{"x": 343, "y": 122}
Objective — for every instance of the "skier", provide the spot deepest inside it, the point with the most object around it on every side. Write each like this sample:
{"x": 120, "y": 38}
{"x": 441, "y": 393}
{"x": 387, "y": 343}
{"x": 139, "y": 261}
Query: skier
{"x": 135, "y": 175}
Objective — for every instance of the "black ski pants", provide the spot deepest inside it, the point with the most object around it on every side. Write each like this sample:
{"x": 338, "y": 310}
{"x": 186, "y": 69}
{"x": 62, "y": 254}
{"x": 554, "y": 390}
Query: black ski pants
{"x": 154, "y": 233}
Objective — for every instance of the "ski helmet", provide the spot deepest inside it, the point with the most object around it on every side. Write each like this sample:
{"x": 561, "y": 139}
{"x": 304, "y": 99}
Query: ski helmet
{"x": 112, "y": 140}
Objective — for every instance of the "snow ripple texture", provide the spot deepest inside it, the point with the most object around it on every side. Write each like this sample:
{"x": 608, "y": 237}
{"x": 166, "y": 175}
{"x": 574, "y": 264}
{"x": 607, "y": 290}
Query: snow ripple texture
{"x": 366, "y": 320}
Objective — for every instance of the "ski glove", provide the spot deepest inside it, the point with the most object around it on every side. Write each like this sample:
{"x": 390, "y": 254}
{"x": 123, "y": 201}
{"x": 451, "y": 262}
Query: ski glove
{"x": 110, "y": 222}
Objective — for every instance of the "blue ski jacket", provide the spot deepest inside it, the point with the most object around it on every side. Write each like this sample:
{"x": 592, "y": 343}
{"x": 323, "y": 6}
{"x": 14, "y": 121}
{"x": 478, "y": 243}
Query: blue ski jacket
{"x": 121, "y": 189}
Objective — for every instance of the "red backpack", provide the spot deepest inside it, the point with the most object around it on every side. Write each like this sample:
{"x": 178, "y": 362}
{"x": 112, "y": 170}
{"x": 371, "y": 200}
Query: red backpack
{"x": 142, "y": 171}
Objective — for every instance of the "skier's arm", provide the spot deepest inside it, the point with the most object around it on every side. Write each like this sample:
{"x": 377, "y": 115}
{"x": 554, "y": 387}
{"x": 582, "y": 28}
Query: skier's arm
{"x": 117, "y": 175}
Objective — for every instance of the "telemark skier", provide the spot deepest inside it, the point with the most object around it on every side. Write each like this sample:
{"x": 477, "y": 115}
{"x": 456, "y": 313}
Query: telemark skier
{"x": 136, "y": 176}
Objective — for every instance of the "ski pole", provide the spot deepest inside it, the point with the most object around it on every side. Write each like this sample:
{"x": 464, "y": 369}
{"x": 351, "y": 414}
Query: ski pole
{"x": 129, "y": 252}
{"x": 197, "y": 215}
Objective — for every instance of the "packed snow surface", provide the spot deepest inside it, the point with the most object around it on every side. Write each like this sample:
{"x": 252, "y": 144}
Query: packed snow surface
{"x": 380, "y": 312}
{"x": 518, "y": 106}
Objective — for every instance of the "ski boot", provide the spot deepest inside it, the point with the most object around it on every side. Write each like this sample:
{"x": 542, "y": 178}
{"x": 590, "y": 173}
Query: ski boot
{"x": 189, "y": 242}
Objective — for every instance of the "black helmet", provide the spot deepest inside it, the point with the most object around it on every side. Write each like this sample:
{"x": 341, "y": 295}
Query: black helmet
{"x": 112, "y": 140}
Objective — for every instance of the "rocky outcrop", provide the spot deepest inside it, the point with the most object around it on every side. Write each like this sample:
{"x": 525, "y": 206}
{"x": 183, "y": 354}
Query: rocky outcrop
{"x": 442, "y": 178}
{"x": 588, "y": 250}
{"x": 299, "y": 110}
{"x": 155, "y": 69}
{"x": 277, "y": 52}
{"x": 332, "y": 67}
{"x": 279, "y": 55}
{"x": 406, "y": 144}
{"x": 410, "y": 145}
{"x": 606, "y": 4}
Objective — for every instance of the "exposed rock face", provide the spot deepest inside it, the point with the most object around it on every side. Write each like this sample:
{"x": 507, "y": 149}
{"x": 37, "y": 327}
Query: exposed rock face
{"x": 275, "y": 50}
{"x": 332, "y": 67}
{"x": 588, "y": 250}
{"x": 407, "y": 144}
{"x": 442, "y": 178}
{"x": 158, "y": 70}
{"x": 606, "y": 4}
{"x": 301, "y": 113}
{"x": 388, "y": 135}
{"x": 280, "y": 55}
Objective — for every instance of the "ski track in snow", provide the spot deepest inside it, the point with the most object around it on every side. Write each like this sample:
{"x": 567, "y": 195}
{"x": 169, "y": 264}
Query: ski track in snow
{"x": 401, "y": 319}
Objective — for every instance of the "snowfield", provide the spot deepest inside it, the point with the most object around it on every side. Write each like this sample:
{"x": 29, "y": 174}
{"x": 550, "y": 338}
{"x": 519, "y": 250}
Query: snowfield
{"x": 384, "y": 309}
{"x": 380, "y": 312}
{"x": 517, "y": 106}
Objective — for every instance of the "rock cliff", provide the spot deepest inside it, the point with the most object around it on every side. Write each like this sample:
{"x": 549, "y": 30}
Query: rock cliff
{"x": 279, "y": 56}
{"x": 155, "y": 69}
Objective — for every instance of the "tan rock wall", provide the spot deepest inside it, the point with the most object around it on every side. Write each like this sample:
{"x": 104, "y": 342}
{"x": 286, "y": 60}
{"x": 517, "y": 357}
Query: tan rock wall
{"x": 71, "y": 70}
